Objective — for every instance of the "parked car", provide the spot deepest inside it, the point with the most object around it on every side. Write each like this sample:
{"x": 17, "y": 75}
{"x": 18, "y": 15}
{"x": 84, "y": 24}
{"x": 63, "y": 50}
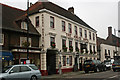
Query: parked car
{"x": 94, "y": 65}
{"x": 21, "y": 71}
{"x": 108, "y": 64}
{"x": 116, "y": 65}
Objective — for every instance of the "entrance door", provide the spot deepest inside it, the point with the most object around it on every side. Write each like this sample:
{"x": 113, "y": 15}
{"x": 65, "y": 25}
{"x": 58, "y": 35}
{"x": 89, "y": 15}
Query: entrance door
{"x": 51, "y": 62}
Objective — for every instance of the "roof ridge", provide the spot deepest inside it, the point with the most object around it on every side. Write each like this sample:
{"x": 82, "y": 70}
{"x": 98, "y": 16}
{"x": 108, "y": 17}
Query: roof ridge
{"x": 12, "y": 7}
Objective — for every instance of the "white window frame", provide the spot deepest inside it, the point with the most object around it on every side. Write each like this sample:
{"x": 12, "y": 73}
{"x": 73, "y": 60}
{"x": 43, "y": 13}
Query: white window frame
{"x": 25, "y": 39}
{"x": 23, "y": 25}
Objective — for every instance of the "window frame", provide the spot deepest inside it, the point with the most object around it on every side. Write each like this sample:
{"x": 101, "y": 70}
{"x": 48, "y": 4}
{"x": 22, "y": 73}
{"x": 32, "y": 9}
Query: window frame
{"x": 69, "y": 28}
{"x": 24, "y": 25}
{"x": 63, "y": 26}
{"x": 85, "y": 31}
{"x": 52, "y": 22}
{"x": 37, "y": 23}
{"x": 80, "y": 30}
{"x": 76, "y": 33}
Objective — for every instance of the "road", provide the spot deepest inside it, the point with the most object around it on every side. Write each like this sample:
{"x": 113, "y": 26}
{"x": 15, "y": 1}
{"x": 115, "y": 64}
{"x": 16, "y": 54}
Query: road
{"x": 106, "y": 75}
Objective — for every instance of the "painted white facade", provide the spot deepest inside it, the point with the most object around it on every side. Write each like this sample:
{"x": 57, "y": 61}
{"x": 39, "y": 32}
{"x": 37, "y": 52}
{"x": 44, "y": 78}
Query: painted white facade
{"x": 111, "y": 48}
{"x": 46, "y": 32}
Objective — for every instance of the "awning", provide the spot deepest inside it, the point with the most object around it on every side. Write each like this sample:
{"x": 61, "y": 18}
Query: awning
{"x": 6, "y": 56}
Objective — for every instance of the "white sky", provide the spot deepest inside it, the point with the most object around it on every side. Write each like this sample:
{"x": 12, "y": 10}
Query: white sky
{"x": 99, "y": 14}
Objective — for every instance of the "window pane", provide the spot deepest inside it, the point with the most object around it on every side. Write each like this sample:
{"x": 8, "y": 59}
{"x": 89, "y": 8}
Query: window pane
{"x": 25, "y": 68}
{"x": 52, "y": 22}
{"x": 37, "y": 21}
{"x": 34, "y": 67}
{"x": 16, "y": 69}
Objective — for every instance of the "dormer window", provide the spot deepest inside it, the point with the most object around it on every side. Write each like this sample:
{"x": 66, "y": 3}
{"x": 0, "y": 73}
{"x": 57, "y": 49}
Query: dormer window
{"x": 23, "y": 25}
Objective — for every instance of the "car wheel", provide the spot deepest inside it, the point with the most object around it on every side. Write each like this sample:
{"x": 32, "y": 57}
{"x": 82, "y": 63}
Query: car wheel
{"x": 86, "y": 71}
{"x": 2, "y": 79}
{"x": 33, "y": 78}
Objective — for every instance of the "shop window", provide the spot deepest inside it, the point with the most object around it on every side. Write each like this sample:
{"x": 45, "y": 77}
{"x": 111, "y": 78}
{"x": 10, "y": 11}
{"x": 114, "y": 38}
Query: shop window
{"x": 1, "y": 39}
{"x": 64, "y": 60}
{"x": 51, "y": 22}
{"x": 70, "y": 58}
{"x": 23, "y": 42}
{"x": 63, "y": 25}
{"x": 67, "y": 60}
{"x": 37, "y": 21}
{"x": 23, "y": 25}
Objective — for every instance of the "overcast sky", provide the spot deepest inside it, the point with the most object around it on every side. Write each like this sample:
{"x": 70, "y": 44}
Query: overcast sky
{"x": 99, "y": 14}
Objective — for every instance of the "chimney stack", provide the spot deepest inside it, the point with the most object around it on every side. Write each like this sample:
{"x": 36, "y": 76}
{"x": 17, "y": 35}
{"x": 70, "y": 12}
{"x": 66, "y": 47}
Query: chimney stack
{"x": 109, "y": 31}
{"x": 71, "y": 9}
{"x": 31, "y": 4}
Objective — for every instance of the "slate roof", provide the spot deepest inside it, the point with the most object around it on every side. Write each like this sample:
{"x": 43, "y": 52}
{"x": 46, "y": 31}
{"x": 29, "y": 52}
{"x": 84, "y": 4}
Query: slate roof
{"x": 115, "y": 41}
{"x": 11, "y": 18}
{"x": 56, "y": 9}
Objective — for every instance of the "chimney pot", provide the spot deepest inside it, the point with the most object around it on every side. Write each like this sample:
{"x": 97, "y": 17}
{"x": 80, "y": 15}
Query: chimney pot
{"x": 71, "y": 9}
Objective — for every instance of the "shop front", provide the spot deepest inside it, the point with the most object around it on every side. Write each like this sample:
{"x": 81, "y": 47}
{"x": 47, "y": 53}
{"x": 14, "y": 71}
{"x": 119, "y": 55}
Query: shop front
{"x": 6, "y": 58}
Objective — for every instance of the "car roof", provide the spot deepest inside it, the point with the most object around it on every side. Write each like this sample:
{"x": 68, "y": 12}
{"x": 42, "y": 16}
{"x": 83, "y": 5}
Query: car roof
{"x": 23, "y": 65}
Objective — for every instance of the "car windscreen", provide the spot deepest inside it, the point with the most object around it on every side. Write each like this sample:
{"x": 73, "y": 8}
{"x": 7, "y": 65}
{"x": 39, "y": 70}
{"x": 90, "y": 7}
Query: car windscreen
{"x": 34, "y": 67}
{"x": 88, "y": 62}
{"x": 6, "y": 69}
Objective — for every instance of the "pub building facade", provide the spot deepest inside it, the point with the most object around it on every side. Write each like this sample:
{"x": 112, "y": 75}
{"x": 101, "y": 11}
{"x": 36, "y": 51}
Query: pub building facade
{"x": 14, "y": 38}
{"x": 65, "y": 38}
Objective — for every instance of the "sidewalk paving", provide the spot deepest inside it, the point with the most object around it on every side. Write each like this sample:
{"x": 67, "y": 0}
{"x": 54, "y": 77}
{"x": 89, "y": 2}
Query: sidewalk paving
{"x": 63, "y": 75}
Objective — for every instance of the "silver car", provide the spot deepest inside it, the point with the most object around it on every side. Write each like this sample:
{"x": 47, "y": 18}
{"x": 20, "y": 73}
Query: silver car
{"x": 20, "y": 72}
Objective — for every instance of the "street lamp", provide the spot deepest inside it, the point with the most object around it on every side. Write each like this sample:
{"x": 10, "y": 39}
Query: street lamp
{"x": 27, "y": 29}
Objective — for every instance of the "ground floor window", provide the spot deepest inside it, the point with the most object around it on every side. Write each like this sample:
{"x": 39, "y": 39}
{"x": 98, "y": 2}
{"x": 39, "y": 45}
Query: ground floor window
{"x": 64, "y": 60}
{"x": 70, "y": 58}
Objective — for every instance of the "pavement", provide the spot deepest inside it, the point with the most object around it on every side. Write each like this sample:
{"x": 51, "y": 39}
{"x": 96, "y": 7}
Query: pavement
{"x": 63, "y": 75}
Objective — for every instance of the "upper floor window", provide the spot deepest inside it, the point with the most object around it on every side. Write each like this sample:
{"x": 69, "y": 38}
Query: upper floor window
{"x": 52, "y": 42}
{"x": 63, "y": 42}
{"x": 90, "y": 49}
{"x": 1, "y": 39}
{"x": 37, "y": 21}
{"x": 63, "y": 25}
{"x": 70, "y": 43}
{"x": 75, "y": 30}
{"x": 90, "y": 35}
{"x": 93, "y": 36}
{"x": 85, "y": 33}
{"x": 51, "y": 22}
{"x": 80, "y": 29}
{"x": 109, "y": 52}
{"x": 23, "y": 42}
{"x": 23, "y": 25}
{"x": 105, "y": 52}
{"x": 70, "y": 28}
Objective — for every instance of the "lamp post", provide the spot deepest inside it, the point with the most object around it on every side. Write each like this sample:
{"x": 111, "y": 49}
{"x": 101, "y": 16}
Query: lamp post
{"x": 27, "y": 29}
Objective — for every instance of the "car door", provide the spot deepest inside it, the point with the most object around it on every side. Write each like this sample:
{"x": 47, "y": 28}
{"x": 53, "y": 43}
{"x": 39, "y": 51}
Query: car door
{"x": 25, "y": 72}
{"x": 14, "y": 73}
